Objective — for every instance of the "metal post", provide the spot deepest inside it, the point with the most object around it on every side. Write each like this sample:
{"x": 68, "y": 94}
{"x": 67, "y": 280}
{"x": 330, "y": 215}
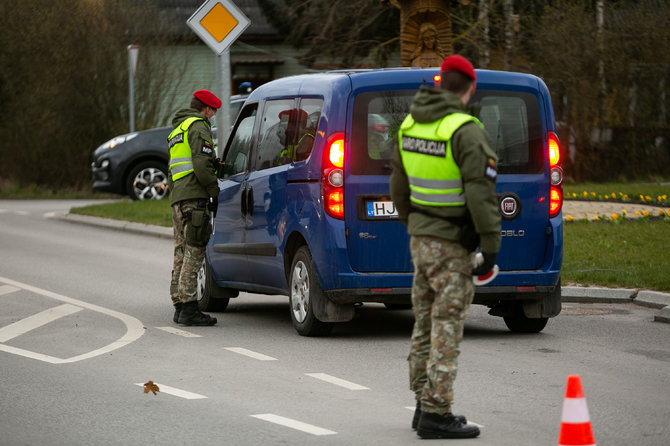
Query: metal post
{"x": 131, "y": 99}
{"x": 223, "y": 89}
{"x": 132, "y": 60}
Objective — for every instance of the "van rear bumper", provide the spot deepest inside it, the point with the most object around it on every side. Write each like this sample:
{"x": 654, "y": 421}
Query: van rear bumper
{"x": 383, "y": 295}
{"x": 397, "y": 288}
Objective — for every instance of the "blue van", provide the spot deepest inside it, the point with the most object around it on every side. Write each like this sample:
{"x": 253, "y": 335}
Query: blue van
{"x": 304, "y": 208}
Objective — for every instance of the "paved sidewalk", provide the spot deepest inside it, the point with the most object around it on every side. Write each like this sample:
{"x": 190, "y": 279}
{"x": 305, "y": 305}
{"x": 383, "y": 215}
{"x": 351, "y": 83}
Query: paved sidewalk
{"x": 652, "y": 299}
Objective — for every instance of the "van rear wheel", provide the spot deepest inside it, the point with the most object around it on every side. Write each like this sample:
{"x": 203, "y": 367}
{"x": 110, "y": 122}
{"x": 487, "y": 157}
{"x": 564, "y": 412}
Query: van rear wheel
{"x": 519, "y": 323}
{"x": 305, "y": 289}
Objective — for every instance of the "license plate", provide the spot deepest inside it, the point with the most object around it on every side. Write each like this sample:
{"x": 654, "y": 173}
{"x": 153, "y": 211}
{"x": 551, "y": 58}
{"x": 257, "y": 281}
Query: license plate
{"x": 381, "y": 209}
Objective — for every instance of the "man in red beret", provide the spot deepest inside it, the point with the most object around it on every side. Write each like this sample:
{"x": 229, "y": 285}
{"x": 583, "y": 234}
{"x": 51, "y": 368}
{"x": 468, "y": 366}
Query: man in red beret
{"x": 194, "y": 192}
{"x": 443, "y": 186}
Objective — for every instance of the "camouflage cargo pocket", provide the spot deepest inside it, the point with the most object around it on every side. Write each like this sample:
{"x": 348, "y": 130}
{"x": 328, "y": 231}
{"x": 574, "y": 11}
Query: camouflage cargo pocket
{"x": 198, "y": 229}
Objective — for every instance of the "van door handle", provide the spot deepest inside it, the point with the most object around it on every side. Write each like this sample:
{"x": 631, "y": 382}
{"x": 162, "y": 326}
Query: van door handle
{"x": 250, "y": 200}
{"x": 243, "y": 202}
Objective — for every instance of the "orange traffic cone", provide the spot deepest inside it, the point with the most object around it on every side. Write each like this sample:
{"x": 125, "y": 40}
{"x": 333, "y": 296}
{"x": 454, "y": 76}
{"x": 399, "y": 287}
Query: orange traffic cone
{"x": 575, "y": 421}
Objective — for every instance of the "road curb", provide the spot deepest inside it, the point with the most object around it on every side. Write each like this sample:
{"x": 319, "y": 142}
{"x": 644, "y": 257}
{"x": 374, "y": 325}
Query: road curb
{"x": 652, "y": 299}
{"x": 645, "y": 298}
{"x": 119, "y": 225}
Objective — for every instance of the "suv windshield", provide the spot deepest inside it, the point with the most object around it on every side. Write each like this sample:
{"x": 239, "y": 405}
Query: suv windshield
{"x": 512, "y": 120}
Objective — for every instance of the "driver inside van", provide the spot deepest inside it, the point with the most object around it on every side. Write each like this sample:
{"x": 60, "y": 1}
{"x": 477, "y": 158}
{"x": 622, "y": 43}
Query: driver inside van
{"x": 291, "y": 123}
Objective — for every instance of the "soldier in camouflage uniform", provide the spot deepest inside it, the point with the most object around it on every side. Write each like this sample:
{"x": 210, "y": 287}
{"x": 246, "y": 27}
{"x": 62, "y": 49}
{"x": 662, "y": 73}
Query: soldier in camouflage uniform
{"x": 443, "y": 185}
{"x": 194, "y": 194}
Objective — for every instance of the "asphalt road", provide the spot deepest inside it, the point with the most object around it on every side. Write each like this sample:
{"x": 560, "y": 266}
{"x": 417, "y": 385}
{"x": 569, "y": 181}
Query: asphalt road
{"x": 85, "y": 320}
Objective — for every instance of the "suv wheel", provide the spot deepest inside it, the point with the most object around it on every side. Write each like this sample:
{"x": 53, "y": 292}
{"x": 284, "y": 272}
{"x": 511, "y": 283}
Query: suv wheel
{"x": 148, "y": 181}
{"x": 305, "y": 289}
{"x": 206, "y": 290}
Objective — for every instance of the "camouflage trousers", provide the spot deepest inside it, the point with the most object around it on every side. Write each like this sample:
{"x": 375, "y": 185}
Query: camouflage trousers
{"x": 187, "y": 259}
{"x": 442, "y": 292}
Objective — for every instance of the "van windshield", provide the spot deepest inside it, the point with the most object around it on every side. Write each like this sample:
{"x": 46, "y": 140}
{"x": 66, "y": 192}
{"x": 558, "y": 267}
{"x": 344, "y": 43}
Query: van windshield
{"x": 512, "y": 120}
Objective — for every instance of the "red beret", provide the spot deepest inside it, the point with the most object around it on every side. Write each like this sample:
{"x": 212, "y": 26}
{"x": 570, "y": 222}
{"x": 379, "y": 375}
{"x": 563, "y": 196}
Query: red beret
{"x": 208, "y": 98}
{"x": 460, "y": 64}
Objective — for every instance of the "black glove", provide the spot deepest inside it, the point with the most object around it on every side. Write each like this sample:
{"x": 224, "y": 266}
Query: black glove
{"x": 216, "y": 164}
{"x": 213, "y": 206}
{"x": 485, "y": 267}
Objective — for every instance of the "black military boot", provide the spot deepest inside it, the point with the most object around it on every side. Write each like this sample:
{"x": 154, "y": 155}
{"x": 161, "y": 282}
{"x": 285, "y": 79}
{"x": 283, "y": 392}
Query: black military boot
{"x": 432, "y": 425}
{"x": 177, "y": 310}
{"x": 417, "y": 415}
{"x": 190, "y": 315}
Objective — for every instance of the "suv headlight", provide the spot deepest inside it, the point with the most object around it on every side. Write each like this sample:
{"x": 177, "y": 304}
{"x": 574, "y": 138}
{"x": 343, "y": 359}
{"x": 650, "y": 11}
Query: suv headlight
{"x": 118, "y": 140}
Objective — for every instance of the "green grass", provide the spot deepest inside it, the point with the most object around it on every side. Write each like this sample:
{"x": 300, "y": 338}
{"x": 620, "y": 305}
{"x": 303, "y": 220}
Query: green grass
{"x": 151, "y": 212}
{"x": 632, "y": 254}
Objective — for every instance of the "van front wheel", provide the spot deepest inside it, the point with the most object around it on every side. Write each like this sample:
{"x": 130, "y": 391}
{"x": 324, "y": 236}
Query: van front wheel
{"x": 209, "y": 296}
{"x": 305, "y": 289}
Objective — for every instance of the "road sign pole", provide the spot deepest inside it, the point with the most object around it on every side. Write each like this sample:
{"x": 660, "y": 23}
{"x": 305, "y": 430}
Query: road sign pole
{"x": 133, "y": 51}
{"x": 223, "y": 88}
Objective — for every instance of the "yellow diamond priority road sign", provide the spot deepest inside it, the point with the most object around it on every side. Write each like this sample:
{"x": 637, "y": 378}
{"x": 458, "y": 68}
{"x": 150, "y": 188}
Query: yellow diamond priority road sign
{"x": 218, "y": 23}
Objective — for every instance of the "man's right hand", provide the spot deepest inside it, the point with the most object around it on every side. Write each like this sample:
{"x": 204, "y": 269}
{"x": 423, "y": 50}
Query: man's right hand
{"x": 486, "y": 265}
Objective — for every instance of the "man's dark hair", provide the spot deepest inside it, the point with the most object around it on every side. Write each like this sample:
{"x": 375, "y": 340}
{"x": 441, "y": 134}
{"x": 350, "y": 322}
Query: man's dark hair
{"x": 455, "y": 81}
{"x": 197, "y": 104}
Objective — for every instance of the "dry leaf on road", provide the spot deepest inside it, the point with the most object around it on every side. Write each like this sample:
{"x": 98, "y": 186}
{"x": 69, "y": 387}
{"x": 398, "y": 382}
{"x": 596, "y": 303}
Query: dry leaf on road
{"x": 149, "y": 386}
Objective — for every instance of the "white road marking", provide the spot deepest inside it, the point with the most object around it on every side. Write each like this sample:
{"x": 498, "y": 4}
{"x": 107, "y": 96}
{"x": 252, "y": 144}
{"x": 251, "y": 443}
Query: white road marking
{"x": 176, "y": 392}
{"x": 6, "y": 289}
{"x": 251, "y": 354}
{"x": 134, "y": 328}
{"x": 412, "y": 408}
{"x": 36, "y": 320}
{"x": 294, "y": 424}
{"x": 49, "y": 214}
{"x": 337, "y": 381}
{"x": 22, "y": 212}
{"x": 179, "y": 332}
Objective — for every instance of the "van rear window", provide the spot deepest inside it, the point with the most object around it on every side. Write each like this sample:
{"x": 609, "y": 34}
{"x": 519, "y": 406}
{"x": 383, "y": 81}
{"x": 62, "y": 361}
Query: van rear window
{"x": 512, "y": 120}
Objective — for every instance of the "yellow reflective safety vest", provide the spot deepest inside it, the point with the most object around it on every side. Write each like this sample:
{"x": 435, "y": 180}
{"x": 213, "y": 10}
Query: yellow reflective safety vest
{"x": 425, "y": 150}
{"x": 181, "y": 163}
{"x": 291, "y": 151}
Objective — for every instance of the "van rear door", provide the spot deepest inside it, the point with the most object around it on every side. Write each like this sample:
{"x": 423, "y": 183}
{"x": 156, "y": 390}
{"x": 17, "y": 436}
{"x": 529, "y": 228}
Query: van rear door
{"x": 513, "y": 121}
{"x": 376, "y": 240}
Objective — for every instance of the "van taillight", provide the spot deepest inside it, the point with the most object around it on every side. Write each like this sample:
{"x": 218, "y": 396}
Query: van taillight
{"x": 554, "y": 151}
{"x": 555, "y": 201}
{"x": 332, "y": 176}
{"x": 555, "y": 175}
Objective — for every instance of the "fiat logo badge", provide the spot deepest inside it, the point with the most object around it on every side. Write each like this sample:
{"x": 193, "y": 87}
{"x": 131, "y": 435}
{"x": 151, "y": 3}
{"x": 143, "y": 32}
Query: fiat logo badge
{"x": 510, "y": 206}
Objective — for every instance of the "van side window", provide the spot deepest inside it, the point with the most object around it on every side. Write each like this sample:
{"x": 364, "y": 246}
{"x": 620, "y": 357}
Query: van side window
{"x": 287, "y": 132}
{"x": 276, "y": 133}
{"x": 236, "y": 158}
{"x": 307, "y": 129}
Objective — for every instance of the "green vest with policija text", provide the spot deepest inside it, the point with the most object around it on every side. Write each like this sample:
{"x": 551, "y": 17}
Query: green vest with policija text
{"x": 425, "y": 150}
{"x": 181, "y": 163}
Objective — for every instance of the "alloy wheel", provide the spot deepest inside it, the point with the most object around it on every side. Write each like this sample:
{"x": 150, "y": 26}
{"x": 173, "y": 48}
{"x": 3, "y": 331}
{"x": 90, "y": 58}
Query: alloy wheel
{"x": 300, "y": 292}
